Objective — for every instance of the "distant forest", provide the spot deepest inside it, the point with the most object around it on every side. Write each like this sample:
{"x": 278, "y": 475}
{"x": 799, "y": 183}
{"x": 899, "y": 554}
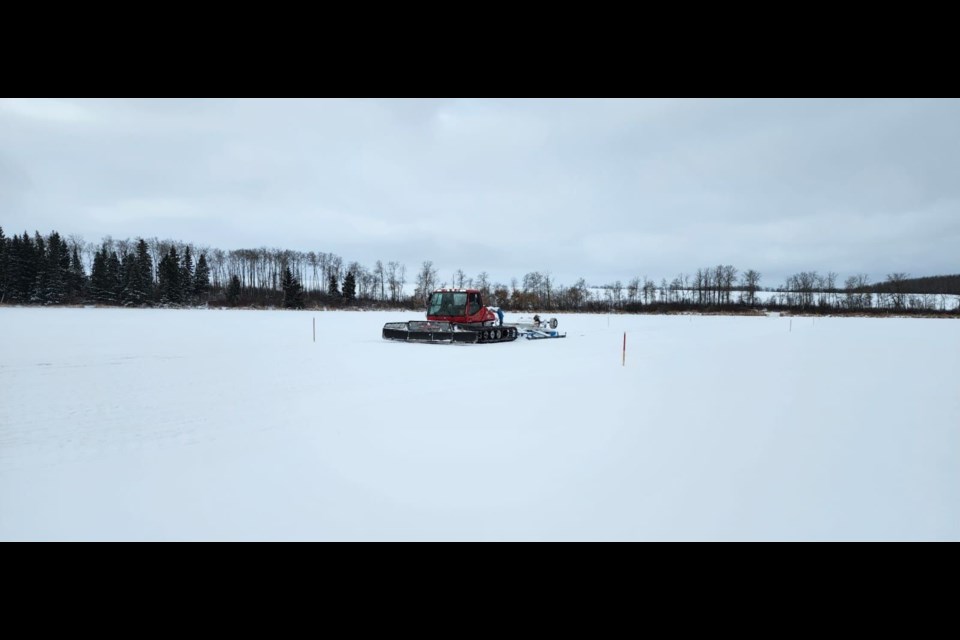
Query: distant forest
{"x": 55, "y": 270}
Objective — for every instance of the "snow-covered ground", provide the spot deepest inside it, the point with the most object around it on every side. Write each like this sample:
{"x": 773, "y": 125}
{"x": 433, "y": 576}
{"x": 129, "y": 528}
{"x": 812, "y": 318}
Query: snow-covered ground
{"x": 235, "y": 425}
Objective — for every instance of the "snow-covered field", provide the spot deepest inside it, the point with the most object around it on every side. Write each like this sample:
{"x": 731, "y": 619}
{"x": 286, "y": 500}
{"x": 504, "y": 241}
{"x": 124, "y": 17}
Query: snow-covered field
{"x": 236, "y": 425}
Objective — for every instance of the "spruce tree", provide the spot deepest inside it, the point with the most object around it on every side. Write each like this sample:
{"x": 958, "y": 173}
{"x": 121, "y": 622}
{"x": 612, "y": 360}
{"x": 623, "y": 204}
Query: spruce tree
{"x": 292, "y": 291}
{"x": 349, "y": 287}
{"x": 201, "y": 278}
{"x": 3, "y": 265}
{"x": 168, "y": 278}
{"x": 37, "y": 269}
{"x": 332, "y": 286}
{"x": 233, "y": 291}
{"x": 132, "y": 295}
{"x": 76, "y": 278}
{"x": 162, "y": 276}
{"x": 24, "y": 268}
{"x": 145, "y": 268}
{"x": 186, "y": 277}
{"x": 297, "y": 291}
{"x": 286, "y": 280}
{"x": 56, "y": 265}
{"x": 113, "y": 282}
{"x": 98, "y": 275}
{"x": 14, "y": 250}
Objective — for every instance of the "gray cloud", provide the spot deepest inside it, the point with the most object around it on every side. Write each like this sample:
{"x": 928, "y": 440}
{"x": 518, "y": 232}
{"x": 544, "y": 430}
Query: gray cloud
{"x": 600, "y": 189}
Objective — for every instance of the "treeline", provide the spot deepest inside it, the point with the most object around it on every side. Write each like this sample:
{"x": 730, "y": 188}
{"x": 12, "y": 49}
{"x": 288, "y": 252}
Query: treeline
{"x": 50, "y": 270}
{"x": 897, "y": 293}
{"x": 932, "y": 285}
{"x": 55, "y": 270}
{"x": 724, "y": 289}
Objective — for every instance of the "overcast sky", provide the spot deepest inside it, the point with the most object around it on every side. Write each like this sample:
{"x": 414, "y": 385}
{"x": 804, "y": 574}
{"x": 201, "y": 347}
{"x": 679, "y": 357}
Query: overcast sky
{"x": 599, "y": 189}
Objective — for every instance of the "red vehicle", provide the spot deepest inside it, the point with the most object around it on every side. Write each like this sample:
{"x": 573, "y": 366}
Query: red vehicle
{"x": 454, "y": 315}
{"x": 463, "y": 306}
{"x": 458, "y": 315}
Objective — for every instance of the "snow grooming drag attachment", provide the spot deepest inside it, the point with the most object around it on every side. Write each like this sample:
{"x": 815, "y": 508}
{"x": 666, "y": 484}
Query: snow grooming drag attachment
{"x": 539, "y": 330}
{"x": 540, "y": 334}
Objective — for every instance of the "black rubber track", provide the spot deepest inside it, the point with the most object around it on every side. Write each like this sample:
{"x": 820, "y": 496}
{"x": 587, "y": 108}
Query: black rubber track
{"x": 446, "y": 332}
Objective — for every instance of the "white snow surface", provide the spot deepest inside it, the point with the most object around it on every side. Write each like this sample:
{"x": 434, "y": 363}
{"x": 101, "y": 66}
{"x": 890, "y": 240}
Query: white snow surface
{"x": 122, "y": 424}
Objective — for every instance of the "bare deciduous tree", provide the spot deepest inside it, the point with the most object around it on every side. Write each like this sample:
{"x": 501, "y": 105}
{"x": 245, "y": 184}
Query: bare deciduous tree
{"x": 426, "y": 282}
{"x": 750, "y": 281}
{"x": 896, "y": 280}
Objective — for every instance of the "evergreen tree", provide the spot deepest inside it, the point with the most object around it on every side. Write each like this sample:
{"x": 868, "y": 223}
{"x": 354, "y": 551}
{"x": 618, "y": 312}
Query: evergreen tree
{"x": 23, "y": 268}
{"x": 76, "y": 277}
{"x": 332, "y": 286}
{"x": 168, "y": 278}
{"x": 201, "y": 278}
{"x": 132, "y": 293}
{"x": 14, "y": 250}
{"x": 292, "y": 291}
{"x": 3, "y": 265}
{"x": 56, "y": 265}
{"x": 113, "y": 281}
{"x": 286, "y": 281}
{"x": 98, "y": 276}
{"x": 136, "y": 275}
{"x": 145, "y": 268}
{"x": 349, "y": 287}
{"x": 37, "y": 268}
{"x": 233, "y": 291}
{"x": 104, "y": 282}
{"x": 186, "y": 277}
